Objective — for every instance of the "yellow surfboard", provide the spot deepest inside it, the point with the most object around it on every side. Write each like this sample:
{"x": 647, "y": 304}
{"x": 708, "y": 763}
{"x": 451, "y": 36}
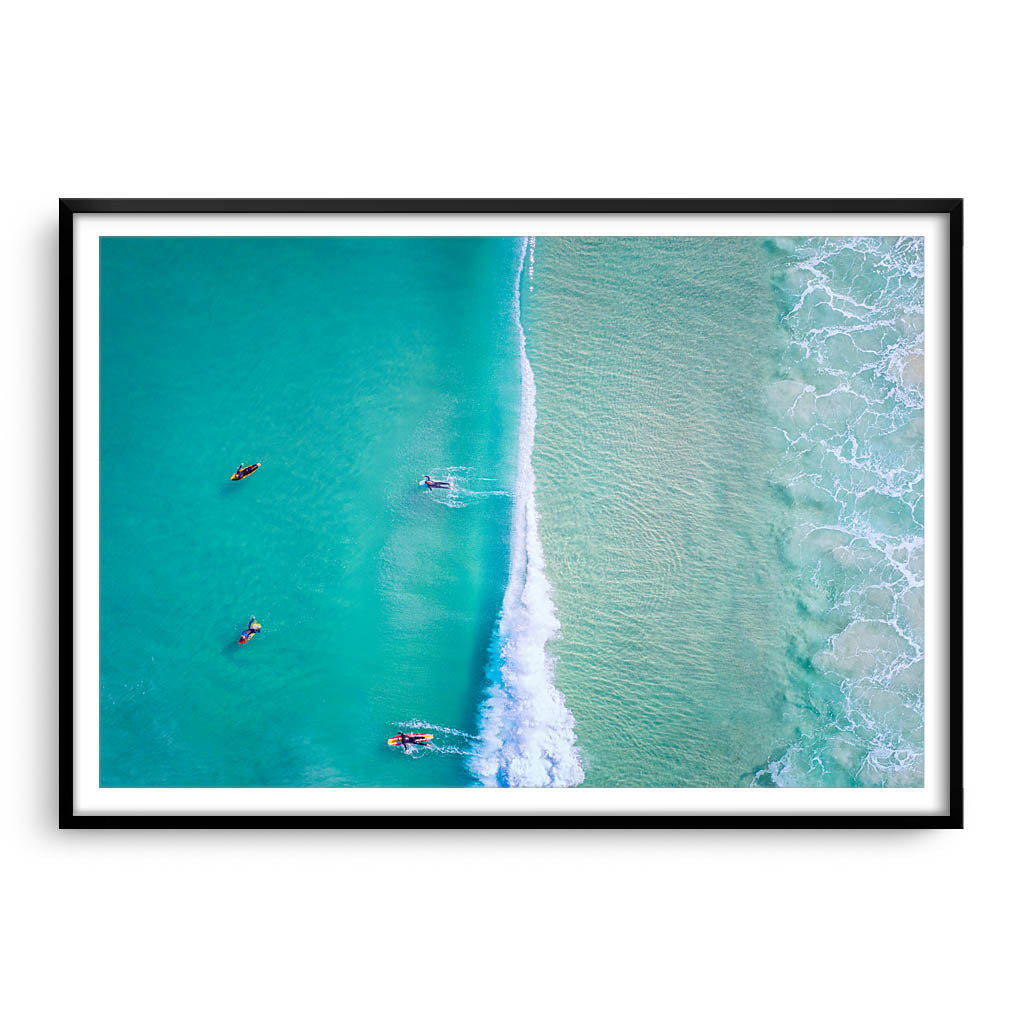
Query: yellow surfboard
{"x": 245, "y": 471}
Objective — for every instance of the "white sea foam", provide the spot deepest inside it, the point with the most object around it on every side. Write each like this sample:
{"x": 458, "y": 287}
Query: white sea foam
{"x": 527, "y": 734}
{"x": 444, "y": 730}
{"x": 851, "y": 411}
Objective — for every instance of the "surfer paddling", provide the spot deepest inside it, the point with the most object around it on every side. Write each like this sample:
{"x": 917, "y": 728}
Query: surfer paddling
{"x": 251, "y": 630}
{"x": 431, "y": 484}
{"x": 405, "y": 739}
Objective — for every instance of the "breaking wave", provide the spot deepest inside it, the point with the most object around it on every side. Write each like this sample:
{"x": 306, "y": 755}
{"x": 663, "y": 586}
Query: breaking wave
{"x": 527, "y": 733}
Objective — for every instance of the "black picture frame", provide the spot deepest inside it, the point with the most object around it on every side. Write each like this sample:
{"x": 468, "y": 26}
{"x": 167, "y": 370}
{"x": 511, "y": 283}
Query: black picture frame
{"x": 953, "y": 209}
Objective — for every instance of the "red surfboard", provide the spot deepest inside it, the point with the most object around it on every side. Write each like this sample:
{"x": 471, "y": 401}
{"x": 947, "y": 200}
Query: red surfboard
{"x": 411, "y": 737}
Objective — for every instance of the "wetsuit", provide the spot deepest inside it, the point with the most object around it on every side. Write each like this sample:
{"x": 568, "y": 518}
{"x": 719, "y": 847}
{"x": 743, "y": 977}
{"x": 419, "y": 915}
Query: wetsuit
{"x": 405, "y": 740}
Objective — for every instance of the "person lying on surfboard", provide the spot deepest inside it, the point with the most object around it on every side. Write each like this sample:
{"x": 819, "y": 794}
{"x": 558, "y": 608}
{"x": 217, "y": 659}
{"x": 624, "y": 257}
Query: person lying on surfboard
{"x": 243, "y": 470}
{"x": 251, "y": 631}
{"x": 431, "y": 484}
{"x": 405, "y": 739}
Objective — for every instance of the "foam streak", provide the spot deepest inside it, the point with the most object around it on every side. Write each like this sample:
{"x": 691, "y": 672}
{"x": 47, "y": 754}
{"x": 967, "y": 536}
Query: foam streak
{"x": 850, "y": 406}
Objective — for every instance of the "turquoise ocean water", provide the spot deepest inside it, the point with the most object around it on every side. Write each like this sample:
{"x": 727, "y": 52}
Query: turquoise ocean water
{"x": 348, "y": 368}
{"x": 683, "y": 544}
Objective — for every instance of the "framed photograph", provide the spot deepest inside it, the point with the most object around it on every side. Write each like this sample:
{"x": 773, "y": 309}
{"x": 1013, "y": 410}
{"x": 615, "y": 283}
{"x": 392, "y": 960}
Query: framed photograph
{"x": 633, "y": 513}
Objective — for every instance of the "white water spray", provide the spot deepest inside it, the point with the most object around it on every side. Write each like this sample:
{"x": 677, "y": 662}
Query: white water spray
{"x": 527, "y": 734}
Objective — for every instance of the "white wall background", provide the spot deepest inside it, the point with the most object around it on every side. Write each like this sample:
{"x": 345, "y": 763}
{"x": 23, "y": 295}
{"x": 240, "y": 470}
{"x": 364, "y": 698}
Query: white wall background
{"x": 530, "y": 99}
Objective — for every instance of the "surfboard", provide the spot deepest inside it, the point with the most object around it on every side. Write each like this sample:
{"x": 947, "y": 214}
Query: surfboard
{"x": 394, "y": 741}
{"x": 245, "y": 471}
